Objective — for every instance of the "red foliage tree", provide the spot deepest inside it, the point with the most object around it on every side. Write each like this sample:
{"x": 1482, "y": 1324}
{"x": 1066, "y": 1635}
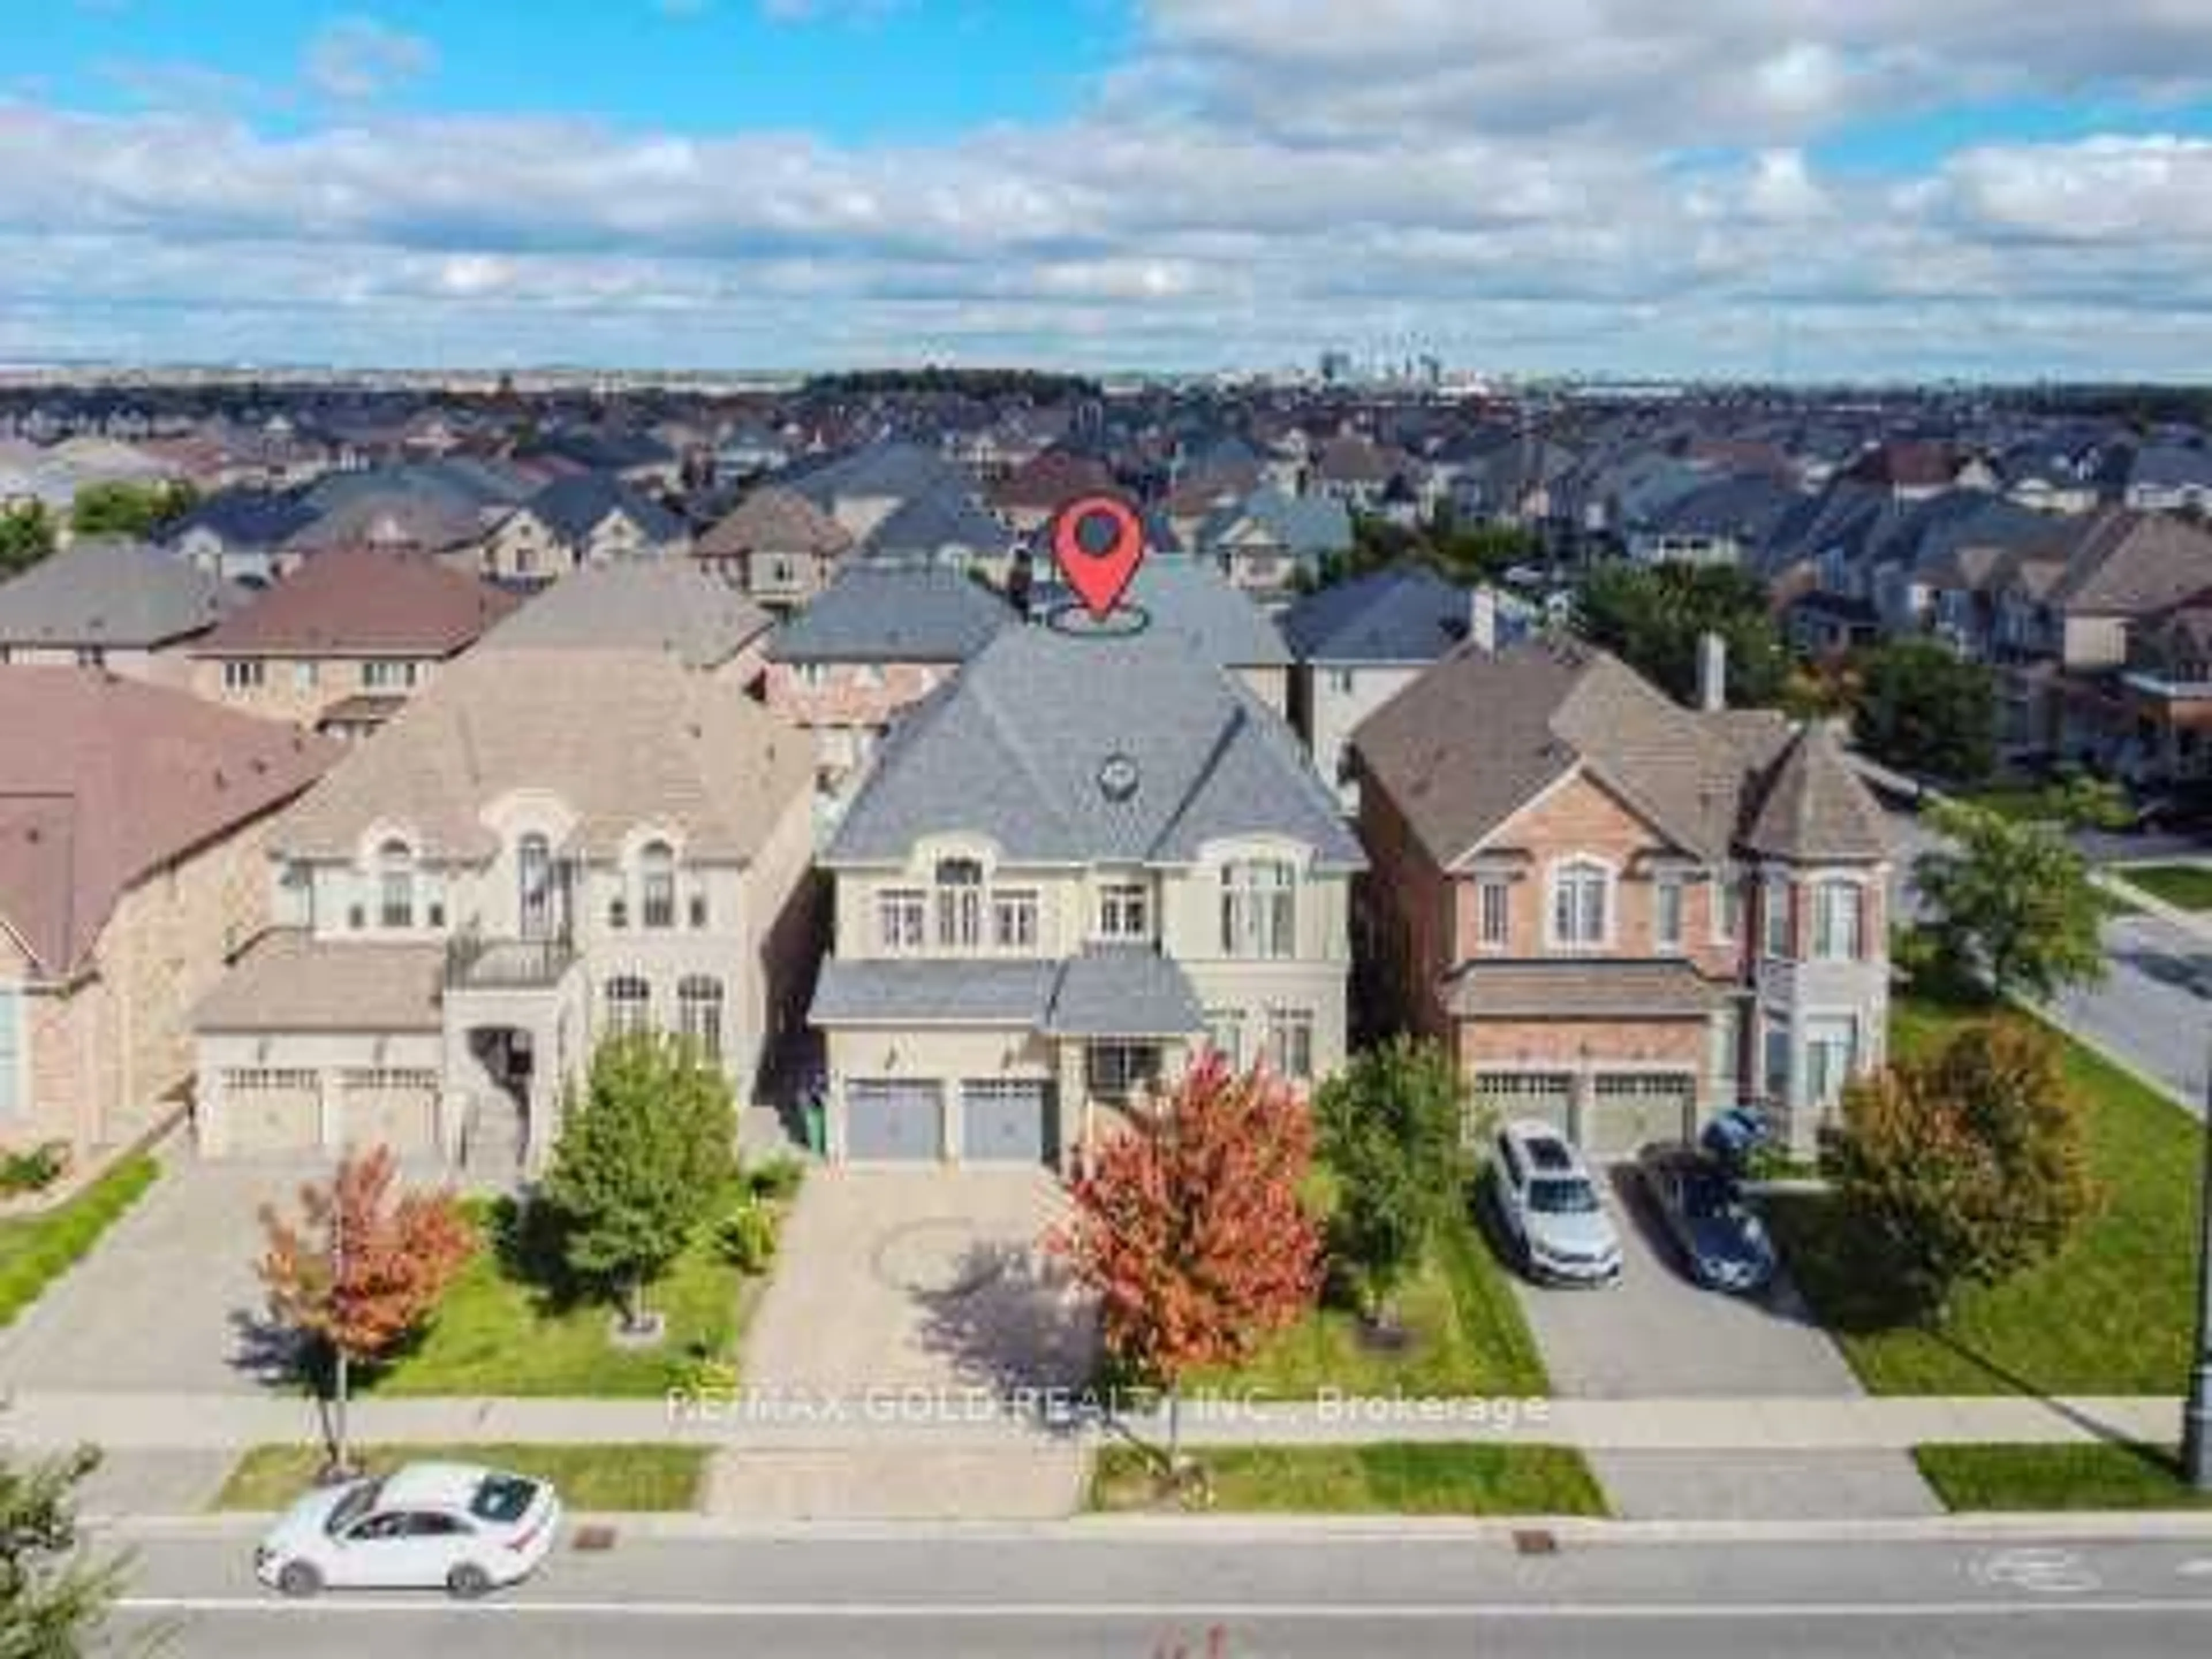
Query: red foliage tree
{"x": 363, "y": 1266}
{"x": 1191, "y": 1231}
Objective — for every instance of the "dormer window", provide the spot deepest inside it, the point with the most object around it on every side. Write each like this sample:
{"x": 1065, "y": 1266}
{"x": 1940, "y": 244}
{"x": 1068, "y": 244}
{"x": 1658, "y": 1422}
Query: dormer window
{"x": 395, "y": 879}
{"x": 656, "y": 872}
{"x": 959, "y": 904}
{"x": 1582, "y": 905}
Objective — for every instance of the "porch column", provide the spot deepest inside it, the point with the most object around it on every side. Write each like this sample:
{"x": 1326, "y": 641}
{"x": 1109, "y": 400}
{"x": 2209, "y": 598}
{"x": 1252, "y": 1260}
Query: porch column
{"x": 326, "y": 1109}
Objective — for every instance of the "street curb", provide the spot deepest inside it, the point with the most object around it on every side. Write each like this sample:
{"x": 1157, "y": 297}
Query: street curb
{"x": 2057, "y": 1525}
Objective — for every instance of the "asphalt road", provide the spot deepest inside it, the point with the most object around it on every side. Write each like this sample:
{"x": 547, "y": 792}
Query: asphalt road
{"x": 969, "y": 1596}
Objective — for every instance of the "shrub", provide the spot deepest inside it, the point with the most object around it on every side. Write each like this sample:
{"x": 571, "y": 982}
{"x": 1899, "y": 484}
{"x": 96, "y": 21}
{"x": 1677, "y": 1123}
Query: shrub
{"x": 747, "y": 1236}
{"x": 776, "y": 1181}
{"x": 35, "y": 1170}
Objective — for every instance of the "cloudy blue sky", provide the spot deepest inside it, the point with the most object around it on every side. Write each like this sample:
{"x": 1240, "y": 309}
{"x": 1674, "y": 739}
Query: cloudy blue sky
{"x": 1866, "y": 188}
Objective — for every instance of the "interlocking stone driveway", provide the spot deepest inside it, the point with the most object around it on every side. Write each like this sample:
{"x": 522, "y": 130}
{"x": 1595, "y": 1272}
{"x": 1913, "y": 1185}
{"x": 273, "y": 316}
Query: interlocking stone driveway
{"x": 167, "y": 1301}
{"x": 900, "y": 1289}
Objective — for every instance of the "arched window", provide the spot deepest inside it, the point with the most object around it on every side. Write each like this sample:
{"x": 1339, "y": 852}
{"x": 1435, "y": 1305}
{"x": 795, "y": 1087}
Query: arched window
{"x": 656, "y": 870}
{"x": 699, "y": 1013}
{"x": 1582, "y": 905}
{"x": 395, "y": 882}
{"x": 629, "y": 1006}
{"x": 533, "y": 868}
{"x": 959, "y": 904}
{"x": 1259, "y": 908}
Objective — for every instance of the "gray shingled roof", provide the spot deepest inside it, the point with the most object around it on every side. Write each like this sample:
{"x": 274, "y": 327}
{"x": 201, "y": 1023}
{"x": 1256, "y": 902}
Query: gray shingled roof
{"x": 1195, "y": 602}
{"x": 1014, "y": 749}
{"x": 1388, "y": 617}
{"x": 112, "y": 593}
{"x": 289, "y": 982}
{"x": 648, "y": 604}
{"x": 574, "y": 506}
{"x": 1123, "y": 990}
{"x": 891, "y": 614}
{"x": 964, "y": 993}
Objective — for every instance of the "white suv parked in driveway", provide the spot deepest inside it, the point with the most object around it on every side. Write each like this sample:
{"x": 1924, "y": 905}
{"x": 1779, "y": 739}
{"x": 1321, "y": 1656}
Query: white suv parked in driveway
{"x": 1550, "y": 1207}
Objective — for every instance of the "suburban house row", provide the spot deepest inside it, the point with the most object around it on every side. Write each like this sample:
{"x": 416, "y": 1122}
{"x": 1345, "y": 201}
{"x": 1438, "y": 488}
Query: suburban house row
{"x": 1062, "y": 858}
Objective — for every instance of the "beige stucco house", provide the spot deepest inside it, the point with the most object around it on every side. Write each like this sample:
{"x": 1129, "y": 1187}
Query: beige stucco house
{"x": 541, "y": 849}
{"x": 1089, "y": 858}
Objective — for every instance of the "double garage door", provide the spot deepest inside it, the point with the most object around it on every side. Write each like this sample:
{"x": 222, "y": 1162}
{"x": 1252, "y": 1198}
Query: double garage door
{"x": 901, "y": 1121}
{"x": 1609, "y": 1115}
{"x": 280, "y": 1113}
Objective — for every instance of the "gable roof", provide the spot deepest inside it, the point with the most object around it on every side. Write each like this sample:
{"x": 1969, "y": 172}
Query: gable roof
{"x": 1398, "y": 616}
{"x": 643, "y": 605}
{"x": 362, "y": 601}
{"x": 773, "y": 519}
{"x": 1813, "y": 808}
{"x": 104, "y": 780}
{"x": 244, "y": 518}
{"x": 893, "y": 471}
{"x": 2128, "y": 564}
{"x": 113, "y": 593}
{"x": 1472, "y": 741}
{"x": 1012, "y": 751}
{"x": 621, "y": 737}
{"x": 574, "y": 506}
{"x": 892, "y": 613}
{"x": 923, "y": 526}
{"x": 1051, "y": 479}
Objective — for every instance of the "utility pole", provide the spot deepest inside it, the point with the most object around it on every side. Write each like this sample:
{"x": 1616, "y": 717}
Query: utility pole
{"x": 2196, "y": 1416}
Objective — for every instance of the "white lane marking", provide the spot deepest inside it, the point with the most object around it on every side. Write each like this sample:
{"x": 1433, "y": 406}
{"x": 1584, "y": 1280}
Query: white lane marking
{"x": 2044, "y": 1570}
{"x": 2200, "y": 1568}
{"x": 1296, "y": 1611}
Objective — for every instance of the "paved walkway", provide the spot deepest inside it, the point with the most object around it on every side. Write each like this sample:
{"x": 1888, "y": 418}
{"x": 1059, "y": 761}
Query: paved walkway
{"x": 922, "y": 1423}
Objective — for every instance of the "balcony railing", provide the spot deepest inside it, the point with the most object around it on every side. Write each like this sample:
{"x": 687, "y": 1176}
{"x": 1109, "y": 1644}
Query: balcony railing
{"x": 475, "y": 963}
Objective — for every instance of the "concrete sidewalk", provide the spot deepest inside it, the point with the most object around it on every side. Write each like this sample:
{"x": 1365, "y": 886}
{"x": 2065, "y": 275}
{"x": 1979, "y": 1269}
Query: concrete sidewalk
{"x": 949, "y": 1422}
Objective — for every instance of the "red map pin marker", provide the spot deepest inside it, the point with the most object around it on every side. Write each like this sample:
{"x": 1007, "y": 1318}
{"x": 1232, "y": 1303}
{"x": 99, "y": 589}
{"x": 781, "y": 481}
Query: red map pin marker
{"x": 1098, "y": 574}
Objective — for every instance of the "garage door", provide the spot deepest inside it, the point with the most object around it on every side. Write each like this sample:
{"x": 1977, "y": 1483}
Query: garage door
{"x": 398, "y": 1110}
{"x": 1005, "y": 1120}
{"x": 1502, "y": 1097}
{"x": 271, "y": 1113}
{"x": 1629, "y": 1109}
{"x": 894, "y": 1120}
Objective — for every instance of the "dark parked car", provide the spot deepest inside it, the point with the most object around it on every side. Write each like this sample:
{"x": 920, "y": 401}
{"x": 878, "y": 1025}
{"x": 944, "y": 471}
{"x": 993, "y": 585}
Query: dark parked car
{"x": 1721, "y": 1240}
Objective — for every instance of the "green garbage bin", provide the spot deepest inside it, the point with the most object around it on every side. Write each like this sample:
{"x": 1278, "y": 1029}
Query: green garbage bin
{"x": 817, "y": 1129}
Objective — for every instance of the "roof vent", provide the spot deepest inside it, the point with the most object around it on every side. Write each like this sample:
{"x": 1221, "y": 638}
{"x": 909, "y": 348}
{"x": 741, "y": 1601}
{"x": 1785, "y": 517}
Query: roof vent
{"x": 1118, "y": 777}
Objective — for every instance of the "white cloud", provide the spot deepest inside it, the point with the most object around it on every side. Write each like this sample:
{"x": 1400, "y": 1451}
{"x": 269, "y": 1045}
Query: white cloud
{"x": 1572, "y": 183}
{"x": 355, "y": 59}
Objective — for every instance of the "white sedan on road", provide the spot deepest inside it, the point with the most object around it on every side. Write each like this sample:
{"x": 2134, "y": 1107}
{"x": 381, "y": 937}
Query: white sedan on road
{"x": 453, "y": 1526}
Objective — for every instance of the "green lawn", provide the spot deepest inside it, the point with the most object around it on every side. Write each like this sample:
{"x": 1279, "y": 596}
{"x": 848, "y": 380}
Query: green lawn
{"x": 1386, "y": 1478}
{"x": 37, "y": 1249}
{"x": 635, "y": 1477}
{"x": 1467, "y": 1338}
{"x": 500, "y": 1331}
{"x": 2023, "y": 803}
{"x": 2187, "y": 886}
{"x": 2093, "y": 1475}
{"x": 2111, "y": 1314}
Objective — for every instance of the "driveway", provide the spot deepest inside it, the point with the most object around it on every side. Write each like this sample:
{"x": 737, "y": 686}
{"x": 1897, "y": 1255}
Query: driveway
{"x": 920, "y": 1279}
{"x": 1657, "y": 1335}
{"x": 167, "y": 1301}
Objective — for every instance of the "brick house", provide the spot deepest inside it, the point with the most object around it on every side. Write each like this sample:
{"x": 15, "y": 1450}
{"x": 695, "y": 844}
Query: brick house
{"x": 878, "y": 640}
{"x": 133, "y": 826}
{"x": 776, "y": 546}
{"x": 1620, "y": 913}
{"x": 345, "y": 640}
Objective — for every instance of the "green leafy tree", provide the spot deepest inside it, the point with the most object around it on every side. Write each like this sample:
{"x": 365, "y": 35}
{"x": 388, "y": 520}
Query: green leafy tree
{"x": 1653, "y": 617}
{"x": 1389, "y": 1128}
{"x": 1923, "y": 709}
{"x": 121, "y": 508}
{"x": 2011, "y": 901}
{"x": 645, "y": 1157}
{"x": 1968, "y": 1166}
{"x": 53, "y": 1598}
{"x": 26, "y": 536}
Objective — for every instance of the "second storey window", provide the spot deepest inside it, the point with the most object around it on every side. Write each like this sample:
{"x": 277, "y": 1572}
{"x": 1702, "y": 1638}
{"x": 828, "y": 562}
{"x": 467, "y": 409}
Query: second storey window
{"x": 383, "y": 675}
{"x": 1259, "y": 912}
{"x": 1014, "y": 919}
{"x": 242, "y": 674}
{"x": 395, "y": 882}
{"x": 1582, "y": 905}
{"x": 1123, "y": 913}
{"x": 656, "y": 872}
{"x": 629, "y": 1006}
{"x": 900, "y": 924}
{"x": 1774, "y": 928}
{"x": 959, "y": 904}
{"x": 1837, "y": 928}
{"x": 1493, "y": 912}
{"x": 1667, "y": 912}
